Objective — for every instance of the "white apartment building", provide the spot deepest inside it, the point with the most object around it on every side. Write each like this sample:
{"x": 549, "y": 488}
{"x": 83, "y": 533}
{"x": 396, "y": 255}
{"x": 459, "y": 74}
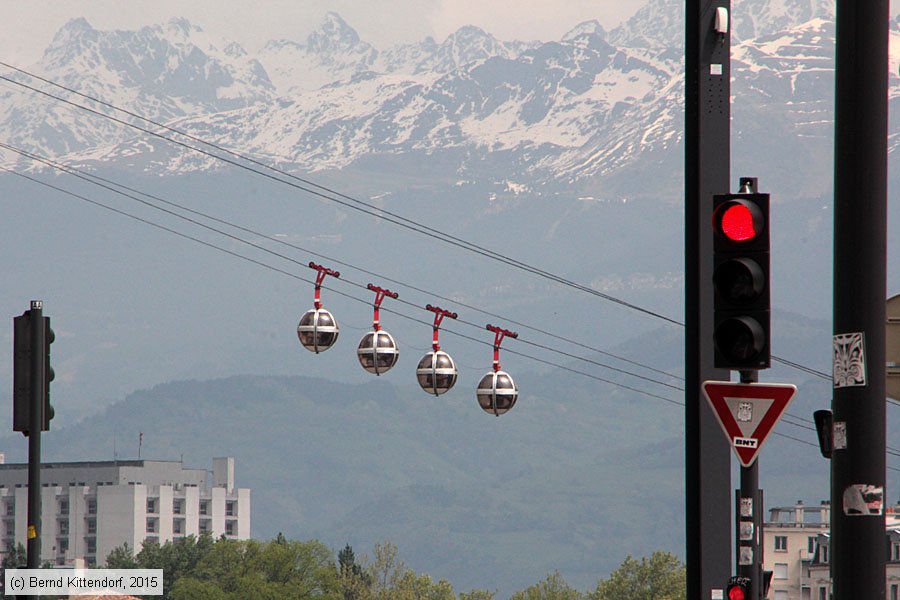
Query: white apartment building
{"x": 790, "y": 541}
{"x": 797, "y": 551}
{"x": 90, "y": 508}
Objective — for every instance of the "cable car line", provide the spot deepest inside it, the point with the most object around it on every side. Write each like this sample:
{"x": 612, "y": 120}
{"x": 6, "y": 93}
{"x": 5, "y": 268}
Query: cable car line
{"x": 891, "y": 452}
{"x": 375, "y": 211}
{"x": 339, "y": 292}
{"x": 108, "y": 185}
{"x": 353, "y": 203}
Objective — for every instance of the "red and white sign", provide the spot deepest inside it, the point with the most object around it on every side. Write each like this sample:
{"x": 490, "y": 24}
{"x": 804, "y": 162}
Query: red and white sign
{"x": 748, "y": 412}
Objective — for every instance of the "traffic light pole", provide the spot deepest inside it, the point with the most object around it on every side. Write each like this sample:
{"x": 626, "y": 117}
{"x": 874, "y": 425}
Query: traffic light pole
{"x": 860, "y": 266}
{"x": 36, "y": 421}
{"x": 707, "y": 172}
{"x": 748, "y": 514}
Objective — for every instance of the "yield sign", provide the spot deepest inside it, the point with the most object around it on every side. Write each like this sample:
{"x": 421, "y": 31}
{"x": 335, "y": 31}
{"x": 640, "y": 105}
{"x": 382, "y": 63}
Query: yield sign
{"x": 748, "y": 412}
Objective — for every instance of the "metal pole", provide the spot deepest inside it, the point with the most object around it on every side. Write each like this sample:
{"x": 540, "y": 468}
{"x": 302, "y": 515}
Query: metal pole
{"x": 748, "y": 512}
{"x": 36, "y": 422}
{"x": 860, "y": 259}
{"x": 707, "y": 172}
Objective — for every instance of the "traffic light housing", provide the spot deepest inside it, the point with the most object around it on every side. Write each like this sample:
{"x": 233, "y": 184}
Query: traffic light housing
{"x": 741, "y": 281}
{"x": 24, "y": 349}
{"x": 738, "y": 588}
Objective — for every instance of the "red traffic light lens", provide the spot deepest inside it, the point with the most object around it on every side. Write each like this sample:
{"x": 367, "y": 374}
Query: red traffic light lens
{"x": 736, "y": 593}
{"x": 738, "y": 223}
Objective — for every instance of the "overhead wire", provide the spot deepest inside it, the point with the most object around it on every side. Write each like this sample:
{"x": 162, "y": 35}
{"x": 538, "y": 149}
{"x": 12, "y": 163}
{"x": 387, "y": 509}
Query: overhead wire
{"x": 339, "y": 292}
{"x": 379, "y": 212}
{"x": 112, "y": 186}
{"x": 891, "y": 451}
{"x": 331, "y": 195}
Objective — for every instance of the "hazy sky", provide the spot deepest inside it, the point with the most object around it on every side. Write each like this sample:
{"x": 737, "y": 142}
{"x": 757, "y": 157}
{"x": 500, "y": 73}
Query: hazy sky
{"x": 27, "y": 27}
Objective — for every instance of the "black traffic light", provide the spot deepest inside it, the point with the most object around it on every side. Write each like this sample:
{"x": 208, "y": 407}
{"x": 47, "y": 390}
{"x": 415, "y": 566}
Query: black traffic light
{"x": 767, "y": 582}
{"x": 738, "y": 588}
{"x": 824, "y": 421}
{"x": 741, "y": 281}
{"x": 27, "y": 345}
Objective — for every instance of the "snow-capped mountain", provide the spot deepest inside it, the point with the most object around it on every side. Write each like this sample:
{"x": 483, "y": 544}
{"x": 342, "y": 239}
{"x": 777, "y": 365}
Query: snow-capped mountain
{"x": 594, "y": 103}
{"x": 163, "y": 72}
{"x": 332, "y": 52}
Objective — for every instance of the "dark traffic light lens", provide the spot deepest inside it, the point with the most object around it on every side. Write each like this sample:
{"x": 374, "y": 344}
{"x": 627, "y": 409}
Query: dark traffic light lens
{"x": 739, "y": 281}
{"x": 740, "y": 338}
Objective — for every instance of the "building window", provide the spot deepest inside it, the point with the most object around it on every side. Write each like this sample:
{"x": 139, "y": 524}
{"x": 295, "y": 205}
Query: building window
{"x": 90, "y": 545}
{"x": 781, "y": 571}
{"x": 823, "y": 594}
{"x": 811, "y": 544}
{"x": 151, "y": 525}
{"x": 825, "y": 555}
{"x": 178, "y": 526}
{"x": 178, "y": 506}
{"x": 10, "y": 508}
{"x": 91, "y": 526}
{"x": 151, "y": 505}
{"x": 780, "y": 543}
{"x": 204, "y": 507}
{"x": 230, "y": 508}
{"x": 895, "y": 552}
{"x": 64, "y": 507}
{"x": 92, "y": 506}
{"x": 230, "y": 527}
{"x": 895, "y": 592}
{"x": 63, "y": 527}
{"x": 205, "y": 526}
{"x": 63, "y": 545}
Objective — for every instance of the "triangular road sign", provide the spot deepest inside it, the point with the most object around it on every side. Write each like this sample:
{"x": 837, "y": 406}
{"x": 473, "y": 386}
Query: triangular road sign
{"x": 748, "y": 412}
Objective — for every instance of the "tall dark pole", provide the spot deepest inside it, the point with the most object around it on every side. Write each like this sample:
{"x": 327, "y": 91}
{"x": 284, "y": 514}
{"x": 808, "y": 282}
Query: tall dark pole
{"x": 749, "y": 510}
{"x": 860, "y": 259}
{"x": 706, "y": 172}
{"x": 36, "y": 422}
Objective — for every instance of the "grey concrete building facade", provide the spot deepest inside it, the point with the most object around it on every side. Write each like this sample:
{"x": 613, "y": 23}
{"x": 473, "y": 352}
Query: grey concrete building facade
{"x": 90, "y": 508}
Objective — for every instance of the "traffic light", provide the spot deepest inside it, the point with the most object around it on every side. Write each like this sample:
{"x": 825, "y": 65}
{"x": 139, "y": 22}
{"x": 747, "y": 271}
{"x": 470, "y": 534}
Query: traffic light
{"x": 738, "y": 588}
{"x": 741, "y": 281}
{"x": 24, "y": 349}
{"x": 49, "y": 375}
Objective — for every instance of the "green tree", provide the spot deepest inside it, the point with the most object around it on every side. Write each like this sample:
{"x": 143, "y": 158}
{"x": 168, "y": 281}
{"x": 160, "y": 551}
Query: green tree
{"x": 121, "y": 557}
{"x": 355, "y": 583}
{"x": 553, "y": 587}
{"x": 661, "y": 577}
{"x": 253, "y": 570}
{"x": 177, "y": 558}
{"x": 388, "y": 578}
{"x": 477, "y": 595}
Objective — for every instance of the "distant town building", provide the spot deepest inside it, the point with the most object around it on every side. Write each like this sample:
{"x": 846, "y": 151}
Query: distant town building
{"x": 90, "y": 508}
{"x": 797, "y": 551}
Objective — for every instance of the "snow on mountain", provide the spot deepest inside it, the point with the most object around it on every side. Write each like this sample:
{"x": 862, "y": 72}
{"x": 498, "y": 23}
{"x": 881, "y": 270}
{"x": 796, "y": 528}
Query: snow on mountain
{"x": 162, "y": 72}
{"x": 465, "y": 45}
{"x": 332, "y": 52}
{"x": 765, "y": 17}
{"x": 592, "y": 104}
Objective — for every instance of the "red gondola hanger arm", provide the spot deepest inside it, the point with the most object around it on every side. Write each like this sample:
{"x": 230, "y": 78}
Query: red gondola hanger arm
{"x": 380, "y": 294}
{"x": 499, "y": 334}
{"x": 439, "y": 314}
{"x": 320, "y": 277}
